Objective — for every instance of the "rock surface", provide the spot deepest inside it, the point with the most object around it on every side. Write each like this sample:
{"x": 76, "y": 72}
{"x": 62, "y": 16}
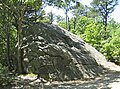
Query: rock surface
{"x": 52, "y": 51}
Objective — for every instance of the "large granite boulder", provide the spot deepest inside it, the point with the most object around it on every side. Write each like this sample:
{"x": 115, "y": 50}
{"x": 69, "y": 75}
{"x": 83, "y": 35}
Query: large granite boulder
{"x": 51, "y": 50}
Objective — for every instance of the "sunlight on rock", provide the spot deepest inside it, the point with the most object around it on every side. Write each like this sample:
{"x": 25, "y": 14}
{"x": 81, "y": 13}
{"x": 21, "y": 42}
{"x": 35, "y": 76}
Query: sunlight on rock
{"x": 114, "y": 85}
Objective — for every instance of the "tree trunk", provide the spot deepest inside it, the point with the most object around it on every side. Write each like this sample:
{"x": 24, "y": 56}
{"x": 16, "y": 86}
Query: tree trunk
{"x": 18, "y": 16}
{"x": 105, "y": 23}
{"x": 19, "y": 33}
{"x": 105, "y": 19}
{"x": 74, "y": 23}
{"x": 66, "y": 20}
{"x": 51, "y": 17}
{"x": 8, "y": 47}
{"x": 68, "y": 24}
{"x": 106, "y": 15}
{"x": 7, "y": 28}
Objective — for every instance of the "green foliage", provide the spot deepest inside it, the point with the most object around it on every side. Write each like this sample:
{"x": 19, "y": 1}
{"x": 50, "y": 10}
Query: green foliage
{"x": 62, "y": 24}
{"x": 111, "y": 47}
{"x": 93, "y": 34}
{"x": 81, "y": 24}
{"x": 104, "y": 8}
{"x": 79, "y": 9}
{"x": 92, "y": 31}
{"x": 3, "y": 47}
{"x": 3, "y": 69}
{"x": 5, "y": 78}
{"x": 2, "y": 44}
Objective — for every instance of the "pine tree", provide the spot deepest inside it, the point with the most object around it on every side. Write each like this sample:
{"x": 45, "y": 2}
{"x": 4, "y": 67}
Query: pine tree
{"x": 104, "y": 8}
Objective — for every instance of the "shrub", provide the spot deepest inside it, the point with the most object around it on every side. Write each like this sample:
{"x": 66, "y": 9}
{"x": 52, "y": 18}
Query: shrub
{"x": 5, "y": 77}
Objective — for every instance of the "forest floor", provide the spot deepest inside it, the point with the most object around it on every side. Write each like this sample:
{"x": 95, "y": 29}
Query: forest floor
{"x": 109, "y": 80}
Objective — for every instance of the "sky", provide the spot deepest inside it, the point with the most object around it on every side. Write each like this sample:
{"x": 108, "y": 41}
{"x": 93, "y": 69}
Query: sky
{"x": 115, "y": 14}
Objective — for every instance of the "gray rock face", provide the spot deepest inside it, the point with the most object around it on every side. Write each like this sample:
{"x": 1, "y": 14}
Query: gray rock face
{"x": 51, "y": 50}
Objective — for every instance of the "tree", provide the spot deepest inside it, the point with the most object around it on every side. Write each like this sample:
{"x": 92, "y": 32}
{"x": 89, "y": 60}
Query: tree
{"x": 51, "y": 17}
{"x": 22, "y": 13}
{"x": 93, "y": 34}
{"x": 67, "y": 5}
{"x": 78, "y": 10}
{"x": 2, "y": 45}
{"x": 17, "y": 12}
{"x": 59, "y": 18}
{"x": 111, "y": 46}
{"x": 18, "y": 9}
{"x": 6, "y": 25}
{"x": 104, "y": 8}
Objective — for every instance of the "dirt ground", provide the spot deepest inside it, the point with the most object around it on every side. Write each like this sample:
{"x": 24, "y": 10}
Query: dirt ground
{"x": 109, "y": 80}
